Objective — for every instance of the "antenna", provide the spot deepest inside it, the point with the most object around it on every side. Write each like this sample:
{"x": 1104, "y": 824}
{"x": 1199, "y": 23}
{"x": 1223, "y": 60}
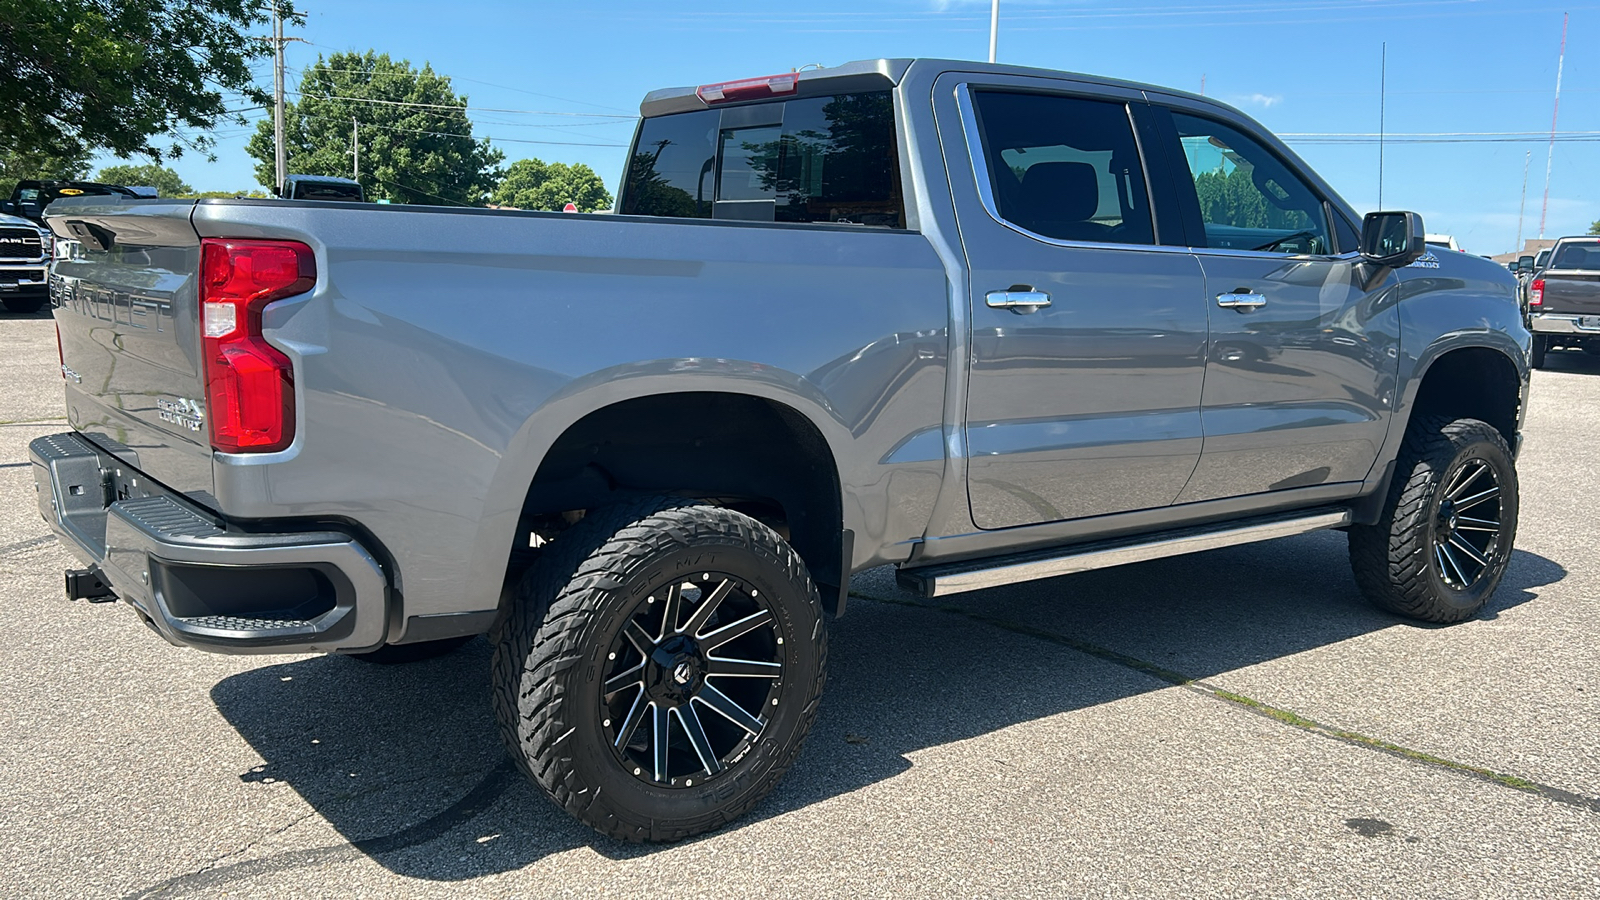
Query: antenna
{"x": 1550, "y": 156}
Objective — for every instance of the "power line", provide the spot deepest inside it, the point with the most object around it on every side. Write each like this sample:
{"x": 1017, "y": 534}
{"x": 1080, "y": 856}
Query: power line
{"x": 505, "y": 87}
{"x": 454, "y": 108}
{"x": 459, "y": 134}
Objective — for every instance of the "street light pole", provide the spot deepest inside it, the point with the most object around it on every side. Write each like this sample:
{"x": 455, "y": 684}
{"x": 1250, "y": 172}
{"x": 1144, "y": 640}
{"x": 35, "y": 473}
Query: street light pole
{"x": 994, "y": 27}
{"x": 355, "y": 144}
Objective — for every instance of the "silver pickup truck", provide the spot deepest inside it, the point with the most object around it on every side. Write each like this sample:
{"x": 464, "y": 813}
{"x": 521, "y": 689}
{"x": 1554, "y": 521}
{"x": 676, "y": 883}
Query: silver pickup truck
{"x": 983, "y": 323}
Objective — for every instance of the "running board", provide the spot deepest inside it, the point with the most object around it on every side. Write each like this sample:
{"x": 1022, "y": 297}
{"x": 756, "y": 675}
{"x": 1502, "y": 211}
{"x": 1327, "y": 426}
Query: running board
{"x": 975, "y": 575}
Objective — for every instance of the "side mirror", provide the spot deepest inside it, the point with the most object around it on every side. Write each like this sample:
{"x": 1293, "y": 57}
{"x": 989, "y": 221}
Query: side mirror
{"x": 1393, "y": 239}
{"x": 1524, "y": 264}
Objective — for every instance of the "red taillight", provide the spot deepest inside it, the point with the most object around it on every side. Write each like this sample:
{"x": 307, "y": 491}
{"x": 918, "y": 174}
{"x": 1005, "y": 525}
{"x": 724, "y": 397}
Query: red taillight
{"x": 249, "y": 383}
{"x": 1536, "y": 292}
{"x": 749, "y": 88}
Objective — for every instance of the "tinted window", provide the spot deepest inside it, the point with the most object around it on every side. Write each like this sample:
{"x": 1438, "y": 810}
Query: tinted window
{"x": 670, "y": 173}
{"x": 827, "y": 159}
{"x": 1065, "y": 167}
{"x": 1249, "y": 200}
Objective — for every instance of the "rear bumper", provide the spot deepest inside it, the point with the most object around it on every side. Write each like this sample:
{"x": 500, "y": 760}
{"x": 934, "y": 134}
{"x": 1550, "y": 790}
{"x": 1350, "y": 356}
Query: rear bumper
{"x": 1560, "y": 323}
{"x": 202, "y": 582}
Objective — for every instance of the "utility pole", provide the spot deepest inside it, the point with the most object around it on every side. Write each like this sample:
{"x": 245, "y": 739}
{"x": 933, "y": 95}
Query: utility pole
{"x": 355, "y": 144}
{"x": 277, "y": 105}
{"x": 994, "y": 27}
{"x": 1550, "y": 156}
{"x": 1383, "y": 99}
{"x": 1526, "y": 158}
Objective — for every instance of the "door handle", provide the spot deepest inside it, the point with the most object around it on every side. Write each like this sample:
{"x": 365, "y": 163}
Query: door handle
{"x": 1247, "y": 300}
{"x": 1017, "y": 300}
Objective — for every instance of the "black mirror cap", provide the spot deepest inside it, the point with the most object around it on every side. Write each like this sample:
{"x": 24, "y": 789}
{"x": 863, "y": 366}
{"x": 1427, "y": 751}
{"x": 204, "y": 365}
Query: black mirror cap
{"x": 1393, "y": 239}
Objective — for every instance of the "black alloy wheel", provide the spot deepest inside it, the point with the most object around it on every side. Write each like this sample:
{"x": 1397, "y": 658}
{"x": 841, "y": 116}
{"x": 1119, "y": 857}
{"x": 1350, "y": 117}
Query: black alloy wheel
{"x": 1467, "y": 525}
{"x": 690, "y": 679}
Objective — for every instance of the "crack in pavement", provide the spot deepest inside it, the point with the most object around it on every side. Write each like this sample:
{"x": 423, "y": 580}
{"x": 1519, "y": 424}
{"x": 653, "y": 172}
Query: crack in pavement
{"x": 1266, "y": 710}
{"x": 484, "y": 795}
{"x": 27, "y": 544}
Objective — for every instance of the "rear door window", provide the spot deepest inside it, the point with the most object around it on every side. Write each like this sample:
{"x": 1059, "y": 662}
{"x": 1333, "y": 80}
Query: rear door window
{"x": 815, "y": 159}
{"x": 1065, "y": 167}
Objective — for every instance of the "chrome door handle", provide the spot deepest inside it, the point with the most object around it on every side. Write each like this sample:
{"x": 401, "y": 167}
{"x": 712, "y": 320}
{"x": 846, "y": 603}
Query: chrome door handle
{"x": 1241, "y": 301}
{"x": 1018, "y": 301}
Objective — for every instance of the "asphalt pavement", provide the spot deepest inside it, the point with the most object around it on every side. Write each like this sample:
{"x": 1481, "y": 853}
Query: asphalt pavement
{"x": 1237, "y": 723}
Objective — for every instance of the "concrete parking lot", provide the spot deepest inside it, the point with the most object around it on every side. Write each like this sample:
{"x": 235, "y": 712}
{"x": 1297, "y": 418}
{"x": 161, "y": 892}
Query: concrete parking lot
{"x": 1237, "y": 723}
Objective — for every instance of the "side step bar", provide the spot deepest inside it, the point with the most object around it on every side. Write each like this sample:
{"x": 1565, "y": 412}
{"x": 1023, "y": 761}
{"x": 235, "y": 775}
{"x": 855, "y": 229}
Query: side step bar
{"x": 973, "y": 575}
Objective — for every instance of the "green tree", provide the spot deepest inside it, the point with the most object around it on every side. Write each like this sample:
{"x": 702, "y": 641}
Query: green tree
{"x": 118, "y": 75}
{"x": 415, "y": 138}
{"x": 1595, "y": 228}
{"x": 535, "y": 184}
{"x": 17, "y": 165}
{"x": 164, "y": 180}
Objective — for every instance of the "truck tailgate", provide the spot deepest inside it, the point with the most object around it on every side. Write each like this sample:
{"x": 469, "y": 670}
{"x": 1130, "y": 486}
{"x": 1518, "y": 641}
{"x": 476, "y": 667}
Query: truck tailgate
{"x": 1575, "y": 292}
{"x": 127, "y": 312}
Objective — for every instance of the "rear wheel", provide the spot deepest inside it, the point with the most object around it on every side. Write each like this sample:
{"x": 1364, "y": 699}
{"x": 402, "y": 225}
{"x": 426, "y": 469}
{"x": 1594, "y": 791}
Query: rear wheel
{"x": 1541, "y": 346}
{"x": 1445, "y": 536}
{"x": 25, "y": 304}
{"x": 660, "y": 667}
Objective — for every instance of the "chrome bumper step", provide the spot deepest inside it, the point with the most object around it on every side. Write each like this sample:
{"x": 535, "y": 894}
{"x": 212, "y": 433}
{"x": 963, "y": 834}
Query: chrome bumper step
{"x": 974, "y": 575}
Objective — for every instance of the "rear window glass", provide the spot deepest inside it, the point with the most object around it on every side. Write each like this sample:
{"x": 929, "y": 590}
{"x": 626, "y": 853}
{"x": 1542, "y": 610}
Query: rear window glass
{"x": 816, "y": 159}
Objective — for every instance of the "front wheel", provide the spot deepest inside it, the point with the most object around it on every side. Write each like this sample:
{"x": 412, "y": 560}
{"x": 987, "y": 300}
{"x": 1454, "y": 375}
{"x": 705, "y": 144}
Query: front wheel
{"x": 660, "y": 667}
{"x": 1444, "y": 539}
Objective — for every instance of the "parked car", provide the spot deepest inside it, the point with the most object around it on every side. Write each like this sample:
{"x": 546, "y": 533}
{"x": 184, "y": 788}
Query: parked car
{"x": 983, "y": 323}
{"x": 1564, "y": 299}
{"x": 24, "y": 264}
{"x": 1448, "y": 242}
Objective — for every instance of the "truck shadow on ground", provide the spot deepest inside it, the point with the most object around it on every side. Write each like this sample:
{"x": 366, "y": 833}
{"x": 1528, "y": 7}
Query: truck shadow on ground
{"x": 1576, "y": 361}
{"x": 405, "y": 762}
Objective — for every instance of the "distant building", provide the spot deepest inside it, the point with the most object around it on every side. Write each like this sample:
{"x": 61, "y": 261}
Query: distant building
{"x": 1530, "y": 247}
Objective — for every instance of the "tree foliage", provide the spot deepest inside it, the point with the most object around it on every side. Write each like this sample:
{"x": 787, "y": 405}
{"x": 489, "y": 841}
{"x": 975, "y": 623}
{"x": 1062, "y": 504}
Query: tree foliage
{"x": 415, "y": 138}
{"x": 164, "y": 180}
{"x": 535, "y": 184}
{"x": 1232, "y": 198}
{"x": 118, "y": 75}
{"x": 1595, "y": 228}
{"x": 29, "y": 165}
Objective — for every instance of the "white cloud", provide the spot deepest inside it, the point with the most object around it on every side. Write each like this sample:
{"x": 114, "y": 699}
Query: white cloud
{"x": 1264, "y": 100}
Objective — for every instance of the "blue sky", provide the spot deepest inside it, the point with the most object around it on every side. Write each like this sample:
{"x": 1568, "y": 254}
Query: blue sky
{"x": 1301, "y": 68}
